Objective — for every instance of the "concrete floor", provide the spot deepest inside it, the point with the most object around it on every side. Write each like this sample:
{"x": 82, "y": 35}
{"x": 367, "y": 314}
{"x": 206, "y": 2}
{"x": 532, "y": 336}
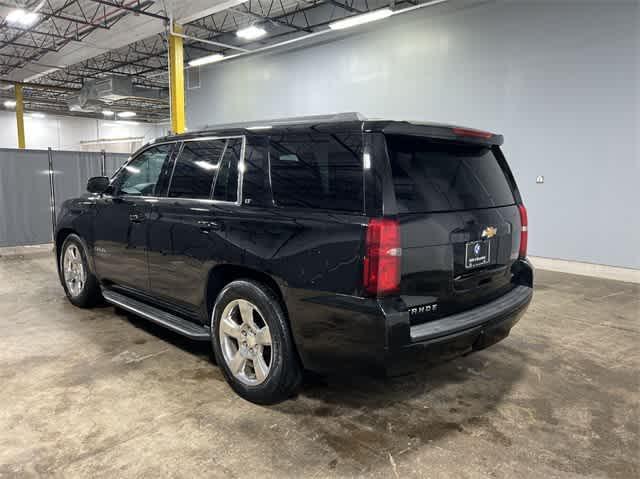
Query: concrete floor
{"x": 97, "y": 394}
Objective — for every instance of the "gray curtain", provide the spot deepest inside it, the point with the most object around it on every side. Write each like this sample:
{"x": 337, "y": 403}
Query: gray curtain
{"x": 71, "y": 170}
{"x": 25, "y": 194}
{"x": 25, "y": 209}
{"x": 113, "y": 161}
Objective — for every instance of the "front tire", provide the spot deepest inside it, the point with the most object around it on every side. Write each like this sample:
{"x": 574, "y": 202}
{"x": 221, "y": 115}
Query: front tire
{"x": 79, "y": 283}
{"x": 252, "y": 343}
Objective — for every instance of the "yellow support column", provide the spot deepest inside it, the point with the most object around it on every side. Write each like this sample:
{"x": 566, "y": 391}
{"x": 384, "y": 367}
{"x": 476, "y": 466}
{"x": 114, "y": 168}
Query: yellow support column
{"x": 176, "y": 76}
{"x": 20, "y": 116}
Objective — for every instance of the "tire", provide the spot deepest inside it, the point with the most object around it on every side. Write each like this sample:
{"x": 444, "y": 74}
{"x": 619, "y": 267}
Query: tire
{"x": 231, "y": 347}
{"x": 88, "y": 293}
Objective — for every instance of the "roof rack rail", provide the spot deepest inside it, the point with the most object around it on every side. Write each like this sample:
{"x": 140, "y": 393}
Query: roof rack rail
{"x": 335, "y": 117}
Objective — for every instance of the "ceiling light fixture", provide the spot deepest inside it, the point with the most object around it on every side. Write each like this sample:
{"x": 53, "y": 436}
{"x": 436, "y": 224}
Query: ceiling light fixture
{"x": 361, "y": 19}
{"x": 259, "y": 127}
{"x": 38, "y": 115}
{"x": 216, "y": 57}
{"x": 10, "y": 104}
{"x": 251, "y": 32}
{"x": 22, "y": 17}
{"x": 126, "y": 114}
{"x": 107, "y": 113}
{"x": 15, "y": 16}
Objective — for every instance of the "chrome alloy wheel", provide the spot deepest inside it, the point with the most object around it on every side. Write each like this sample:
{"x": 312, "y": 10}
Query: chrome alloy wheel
{"x": 245, "y": 341}
{"x": 75, "y": 275}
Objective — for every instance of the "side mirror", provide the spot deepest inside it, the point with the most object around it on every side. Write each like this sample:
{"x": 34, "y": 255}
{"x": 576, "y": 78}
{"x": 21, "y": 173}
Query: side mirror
{"x": 98, "y": 184}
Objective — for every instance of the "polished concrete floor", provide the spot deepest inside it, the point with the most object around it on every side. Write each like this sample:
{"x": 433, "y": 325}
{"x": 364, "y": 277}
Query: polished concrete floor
{"x": 98, "y": 394}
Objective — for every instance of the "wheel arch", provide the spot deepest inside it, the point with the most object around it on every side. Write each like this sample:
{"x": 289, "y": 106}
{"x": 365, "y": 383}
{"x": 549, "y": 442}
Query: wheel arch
{"x": 61, "y": 236}
{"x": 288, "y": 371}
{"x": 221, "y": 275}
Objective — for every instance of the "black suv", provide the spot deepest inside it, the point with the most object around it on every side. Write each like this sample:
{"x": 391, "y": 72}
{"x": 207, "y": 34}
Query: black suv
{"x": 319, "y": 243}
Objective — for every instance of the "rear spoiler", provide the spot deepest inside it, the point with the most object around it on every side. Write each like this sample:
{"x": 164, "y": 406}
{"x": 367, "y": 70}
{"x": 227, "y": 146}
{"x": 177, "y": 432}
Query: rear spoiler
{"x": 441, "y": 132}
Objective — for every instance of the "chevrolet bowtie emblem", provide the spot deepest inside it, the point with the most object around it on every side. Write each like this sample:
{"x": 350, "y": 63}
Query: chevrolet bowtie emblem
{"x": 489, "y": 232}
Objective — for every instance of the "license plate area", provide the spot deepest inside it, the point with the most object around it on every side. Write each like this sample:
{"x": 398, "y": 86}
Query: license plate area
{"x": 477, "y": 253}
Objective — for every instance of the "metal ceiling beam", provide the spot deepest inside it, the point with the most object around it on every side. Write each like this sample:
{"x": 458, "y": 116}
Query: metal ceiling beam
{"x": 285, "y": 18}
{"x": 348, "y": 8}
{"x": 37, "y": 32}
{"x": 40, "y": 86}
{"x": 64, "y": 32}
{"x": 25, "y": 45}
{"x": 58, "y": 13}
{"x": 271, "y": 19}
{"x": 96, "y": 72}
{"x": 138, "y": 11}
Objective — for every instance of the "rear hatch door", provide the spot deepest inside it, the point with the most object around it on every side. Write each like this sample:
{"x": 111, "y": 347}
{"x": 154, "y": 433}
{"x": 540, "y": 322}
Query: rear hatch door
{"x": 459, "y": 223}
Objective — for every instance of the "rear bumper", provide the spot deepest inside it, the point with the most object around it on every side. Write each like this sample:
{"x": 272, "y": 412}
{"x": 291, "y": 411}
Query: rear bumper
{"x": 495, "y": 311}
{"x": 458, "y": 334}
{"x": 353, "y": 334}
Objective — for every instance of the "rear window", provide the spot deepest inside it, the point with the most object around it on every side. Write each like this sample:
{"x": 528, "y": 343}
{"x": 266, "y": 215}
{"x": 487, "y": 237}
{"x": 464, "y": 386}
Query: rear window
{"x": 317, "y": 170}
{"x": 195, "y": 169}
{"x": 430, "y": 176}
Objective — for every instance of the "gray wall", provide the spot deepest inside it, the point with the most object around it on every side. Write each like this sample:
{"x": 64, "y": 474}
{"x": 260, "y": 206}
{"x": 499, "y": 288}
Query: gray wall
{"x": 558, "y": 79}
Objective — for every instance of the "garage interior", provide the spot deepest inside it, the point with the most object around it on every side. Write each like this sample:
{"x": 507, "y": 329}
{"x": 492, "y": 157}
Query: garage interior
{"x": 101, "y": 393}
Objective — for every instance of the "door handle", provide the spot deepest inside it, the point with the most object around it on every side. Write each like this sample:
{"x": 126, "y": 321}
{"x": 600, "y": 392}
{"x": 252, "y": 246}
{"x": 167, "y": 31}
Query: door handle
{"x": 206, "y": 226}
{"x": 136, "y": 217}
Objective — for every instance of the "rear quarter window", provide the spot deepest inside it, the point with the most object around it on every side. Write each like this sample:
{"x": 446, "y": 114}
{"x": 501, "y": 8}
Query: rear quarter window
{"x": 317, "y": 170}
{"x": 226, "y": 183}
{"x": 432, "y": 176}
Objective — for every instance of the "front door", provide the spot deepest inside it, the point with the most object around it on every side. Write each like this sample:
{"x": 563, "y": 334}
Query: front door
{"x": 121, "y": 223}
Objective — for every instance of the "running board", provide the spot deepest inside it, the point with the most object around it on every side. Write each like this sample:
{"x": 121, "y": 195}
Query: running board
{"x": 168, "y": 320}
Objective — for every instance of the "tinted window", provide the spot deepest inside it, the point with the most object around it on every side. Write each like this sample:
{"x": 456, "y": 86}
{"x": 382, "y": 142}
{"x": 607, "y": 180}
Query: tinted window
{"x": 435, "y": 176}
{"x": 255, "y": 182}
{"x": 196, "y": 168}
{"x": 226, "y": 186}
{"x": 140, "y": 176}
{"x": 317, "y": 170}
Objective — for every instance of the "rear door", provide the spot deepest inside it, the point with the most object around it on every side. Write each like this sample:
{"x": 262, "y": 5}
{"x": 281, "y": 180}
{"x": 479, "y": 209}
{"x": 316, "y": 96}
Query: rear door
{"x": 458, "y": 214}
{"x": 187, "y": 234}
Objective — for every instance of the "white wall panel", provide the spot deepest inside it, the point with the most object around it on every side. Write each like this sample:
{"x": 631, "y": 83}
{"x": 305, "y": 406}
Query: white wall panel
{"x": 67, "y": 133}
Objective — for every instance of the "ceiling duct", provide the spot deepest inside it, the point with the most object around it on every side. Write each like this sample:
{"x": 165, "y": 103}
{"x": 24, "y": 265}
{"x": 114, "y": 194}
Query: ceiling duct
{"x": 96, "y": 93}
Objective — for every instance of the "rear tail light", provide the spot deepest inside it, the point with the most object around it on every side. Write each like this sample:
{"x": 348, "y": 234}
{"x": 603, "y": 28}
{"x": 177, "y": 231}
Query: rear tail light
{"x": 381, "y": 273}
{"x": 524, "y": 232}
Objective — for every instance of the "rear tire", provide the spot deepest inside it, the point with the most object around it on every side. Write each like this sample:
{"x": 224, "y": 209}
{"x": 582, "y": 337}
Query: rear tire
{"x": 252, "y": 343}
{"x": 79, "y": 283}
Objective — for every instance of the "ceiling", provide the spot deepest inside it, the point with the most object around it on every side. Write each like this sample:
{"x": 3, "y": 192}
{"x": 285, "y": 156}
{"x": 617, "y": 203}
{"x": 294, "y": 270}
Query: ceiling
{"x": 74, "y": 42}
